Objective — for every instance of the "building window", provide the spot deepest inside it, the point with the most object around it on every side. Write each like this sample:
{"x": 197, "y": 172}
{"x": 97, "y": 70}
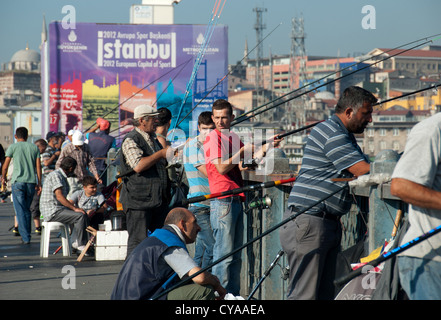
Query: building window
{"x": 382, "y": 132}
{"x": 396, "y": 146}
{"x": 370, "y": 132}
{"x": 382, "y": 145}
{"x": 396, "y": 132}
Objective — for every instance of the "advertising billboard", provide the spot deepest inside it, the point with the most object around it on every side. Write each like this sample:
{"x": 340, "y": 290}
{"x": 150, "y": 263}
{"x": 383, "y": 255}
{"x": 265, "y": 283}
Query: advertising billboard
{"x": 106, "y": 70}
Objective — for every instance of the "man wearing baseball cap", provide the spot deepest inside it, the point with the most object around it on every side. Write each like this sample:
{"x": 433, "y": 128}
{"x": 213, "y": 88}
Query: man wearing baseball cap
{"x": 146, "y": 188}
{"x": 80, "y": 151}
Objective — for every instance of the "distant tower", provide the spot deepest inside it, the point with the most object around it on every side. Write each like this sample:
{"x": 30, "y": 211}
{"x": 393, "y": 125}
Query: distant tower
{"x": 245, "y": 53}
{"x": 259, "y": 26}
{"x": 298, "y": 53}
{"x": 296, "y": 110}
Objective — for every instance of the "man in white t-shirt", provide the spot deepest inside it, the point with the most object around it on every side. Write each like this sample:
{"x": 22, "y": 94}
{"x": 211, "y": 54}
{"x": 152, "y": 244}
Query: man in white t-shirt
{"x": 417, "y": 181}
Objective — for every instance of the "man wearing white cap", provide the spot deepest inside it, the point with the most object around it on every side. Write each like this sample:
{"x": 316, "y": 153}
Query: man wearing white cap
{"x": 146, "y": 189}
{"x": 85, "y": 161}
{"x": 69, "y": 138}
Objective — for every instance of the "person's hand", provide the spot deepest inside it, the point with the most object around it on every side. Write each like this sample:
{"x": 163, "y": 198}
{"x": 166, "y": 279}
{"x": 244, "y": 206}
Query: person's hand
{"x": 4, "y": 180}
{"x": 91, "y": 213}
{"x": 38, "y": 189}
{"x": 169, "y": 153}
{"x": 220, "y": 290}
{"x": 275, "y": 141}
{"x": 79, "y": 210}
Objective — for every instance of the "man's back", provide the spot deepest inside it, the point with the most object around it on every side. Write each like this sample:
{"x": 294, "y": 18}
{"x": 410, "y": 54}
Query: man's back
{"x": 24, "y": 155}
{"x": 100, "y": 143}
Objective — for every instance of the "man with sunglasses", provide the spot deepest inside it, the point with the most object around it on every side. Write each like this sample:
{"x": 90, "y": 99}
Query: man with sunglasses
{"x": 145, "y": 191}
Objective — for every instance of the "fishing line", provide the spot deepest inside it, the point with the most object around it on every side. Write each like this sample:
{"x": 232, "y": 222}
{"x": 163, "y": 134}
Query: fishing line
{"x": 226, "y": 75}
{"x": 207, "y": 37}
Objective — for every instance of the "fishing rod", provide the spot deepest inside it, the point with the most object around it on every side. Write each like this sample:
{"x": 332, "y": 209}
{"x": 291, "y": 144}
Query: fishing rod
{"x": 266, "y": 273}
{"x": 228, "y": 73}
{"x": 170, "y": 82}
{"x": 387, "y": 255}
{"x": 408, "y": 94}
{"x": 258, "y": 186}
{"x": 253, "y": 162}
{"x": 263, "y": 234}
{"x": 340, "y": 70}
{"x": 324, "y": 84}
{"x": 208, "y": 33}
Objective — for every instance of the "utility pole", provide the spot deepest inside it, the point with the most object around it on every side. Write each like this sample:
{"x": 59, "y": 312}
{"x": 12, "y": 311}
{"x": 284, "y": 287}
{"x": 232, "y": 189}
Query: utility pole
{"x": 259, "y": 26}
{"x": 297, "y": 68}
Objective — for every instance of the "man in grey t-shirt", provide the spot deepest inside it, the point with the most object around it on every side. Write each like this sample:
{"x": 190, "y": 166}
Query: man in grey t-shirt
{"x": 417, "y": 181}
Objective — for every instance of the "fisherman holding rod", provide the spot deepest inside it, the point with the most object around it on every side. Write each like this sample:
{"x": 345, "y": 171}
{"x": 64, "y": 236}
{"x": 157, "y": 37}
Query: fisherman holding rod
{"x": 224, "y": 153}
{"x": 417, "y": 180}
{"x": 312, "y": 241}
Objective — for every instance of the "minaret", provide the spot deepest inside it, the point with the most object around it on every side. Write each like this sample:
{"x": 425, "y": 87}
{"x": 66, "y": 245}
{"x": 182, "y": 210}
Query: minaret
{"x": 43, "y": 31}
{"x": 245, "y": 53}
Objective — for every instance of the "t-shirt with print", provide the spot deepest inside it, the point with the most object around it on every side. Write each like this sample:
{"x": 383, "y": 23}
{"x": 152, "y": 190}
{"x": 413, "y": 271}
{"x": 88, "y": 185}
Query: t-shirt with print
{"x": 81, "y": 200}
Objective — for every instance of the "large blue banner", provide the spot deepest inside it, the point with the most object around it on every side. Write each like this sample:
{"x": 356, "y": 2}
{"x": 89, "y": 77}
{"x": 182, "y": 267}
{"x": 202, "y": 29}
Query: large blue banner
{"x": 106, "y": 70}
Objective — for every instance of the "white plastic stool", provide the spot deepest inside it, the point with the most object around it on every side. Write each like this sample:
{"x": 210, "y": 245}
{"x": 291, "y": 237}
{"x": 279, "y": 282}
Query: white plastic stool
{"x": 46, "y": 237}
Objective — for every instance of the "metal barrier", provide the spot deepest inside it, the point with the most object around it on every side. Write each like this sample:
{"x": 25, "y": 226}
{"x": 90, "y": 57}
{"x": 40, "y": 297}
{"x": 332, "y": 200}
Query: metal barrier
{"x": 374, "y": 210}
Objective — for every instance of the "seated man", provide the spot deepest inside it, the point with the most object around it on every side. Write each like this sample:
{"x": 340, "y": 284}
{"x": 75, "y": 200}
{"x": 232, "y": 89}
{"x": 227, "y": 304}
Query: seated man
{"x": 154, "y": 263}
{"x": 91, "y": 201}
{"x": 55, "y": 207}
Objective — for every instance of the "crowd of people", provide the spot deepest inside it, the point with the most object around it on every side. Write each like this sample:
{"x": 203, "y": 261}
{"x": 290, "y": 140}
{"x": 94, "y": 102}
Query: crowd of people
{"x": 212, "y": 162}
{"x": 58, "y": 178}
{"x": 55, "y": 179}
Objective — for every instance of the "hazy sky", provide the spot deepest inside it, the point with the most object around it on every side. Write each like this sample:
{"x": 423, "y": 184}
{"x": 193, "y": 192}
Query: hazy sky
{"x": 331, "y": 26}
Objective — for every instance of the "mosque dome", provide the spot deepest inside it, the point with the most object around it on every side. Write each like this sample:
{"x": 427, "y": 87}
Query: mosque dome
{"x": 24, "y": 60}
{"x": 26, "y": 55}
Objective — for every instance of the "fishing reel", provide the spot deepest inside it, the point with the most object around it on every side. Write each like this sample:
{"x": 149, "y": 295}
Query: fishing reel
{"x": 249, "y": 164}
{"x": 264, "y": 203}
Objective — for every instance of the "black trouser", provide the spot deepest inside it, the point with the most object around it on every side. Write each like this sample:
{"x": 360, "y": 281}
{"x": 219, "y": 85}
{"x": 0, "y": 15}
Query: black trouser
{"x": 139, "y": 222}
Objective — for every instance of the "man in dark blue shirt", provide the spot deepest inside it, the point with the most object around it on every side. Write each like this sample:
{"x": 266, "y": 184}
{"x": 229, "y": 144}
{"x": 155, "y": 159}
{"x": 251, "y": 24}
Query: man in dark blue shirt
{"x": 312, "y": 240}
{"x": 100, "y": 142}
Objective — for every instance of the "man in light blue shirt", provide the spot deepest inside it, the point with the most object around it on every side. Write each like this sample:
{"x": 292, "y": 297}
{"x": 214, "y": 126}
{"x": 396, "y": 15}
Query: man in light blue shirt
{"x": 194, "y": 164}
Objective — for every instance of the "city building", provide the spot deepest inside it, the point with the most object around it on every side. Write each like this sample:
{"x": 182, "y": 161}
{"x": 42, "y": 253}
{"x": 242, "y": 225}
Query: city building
{"x": 389, "y": 129}
{"x": 420, "y": 63}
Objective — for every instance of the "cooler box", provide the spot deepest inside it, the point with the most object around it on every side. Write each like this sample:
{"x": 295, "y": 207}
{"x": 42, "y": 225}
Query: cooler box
{"x": 111, "y": 245}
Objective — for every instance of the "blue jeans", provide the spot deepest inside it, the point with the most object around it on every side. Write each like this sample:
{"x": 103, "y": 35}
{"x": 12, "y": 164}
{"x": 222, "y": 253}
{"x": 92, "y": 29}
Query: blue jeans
{"x": 22, "y": 195}
{"x": 226, "y": 219}
{"x": 203, "y": 255}
{"x": 420, "y": 278}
